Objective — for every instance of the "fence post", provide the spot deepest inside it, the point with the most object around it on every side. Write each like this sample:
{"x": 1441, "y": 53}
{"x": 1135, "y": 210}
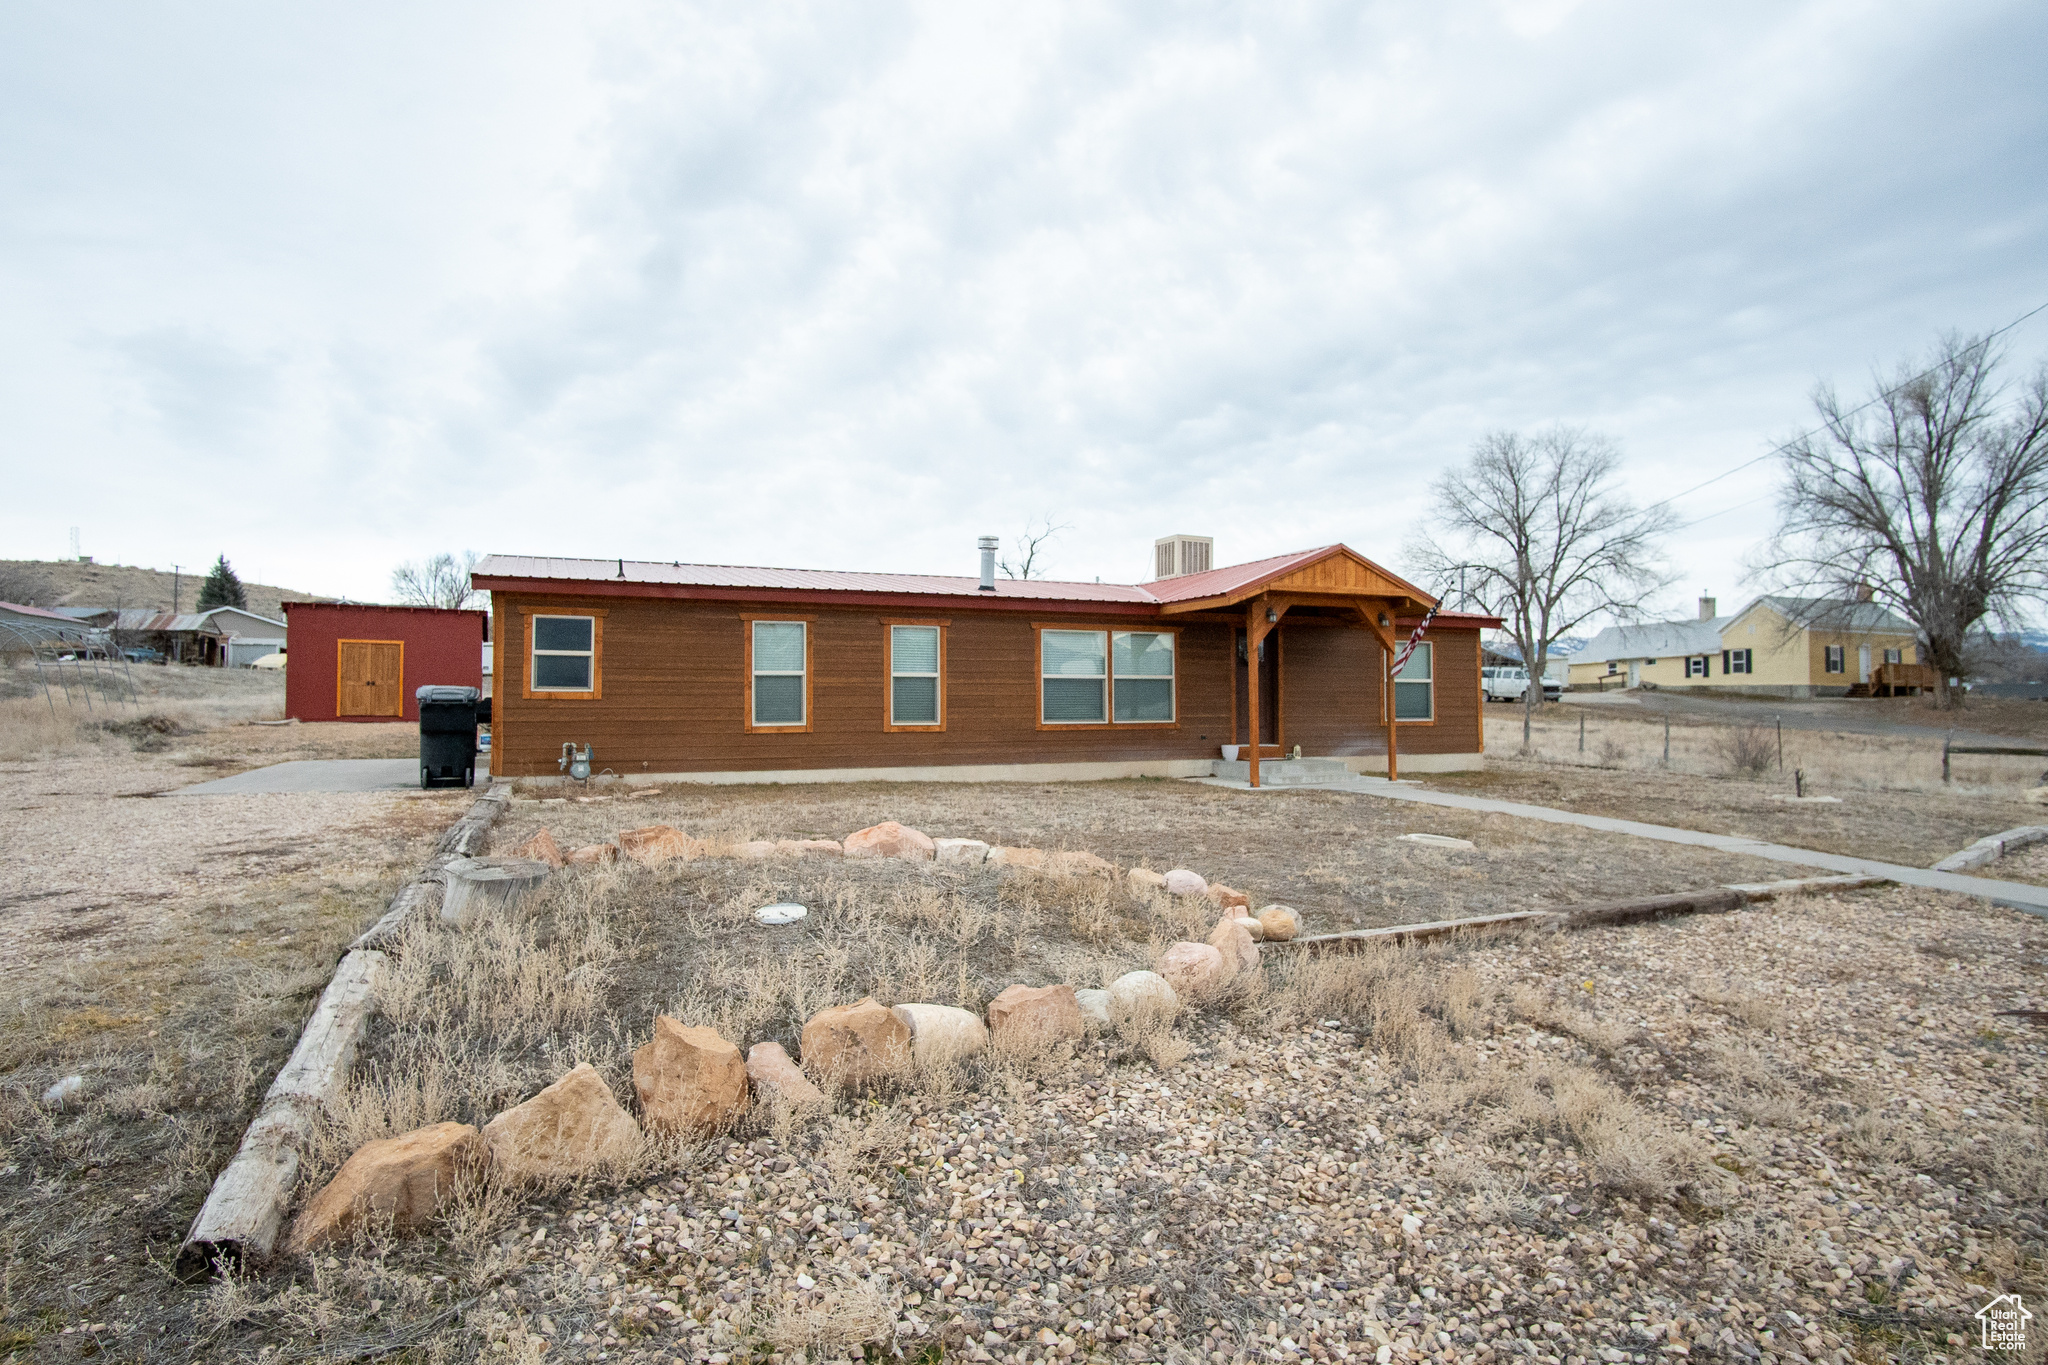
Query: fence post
{"x": 1667, "y": 741}
{"x": 1950, "y": 739}
{"x": 1781, "y": 742}
{"x": 1582, "y": 729}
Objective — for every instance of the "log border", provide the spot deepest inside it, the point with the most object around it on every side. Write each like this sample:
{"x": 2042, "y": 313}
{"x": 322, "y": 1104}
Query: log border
{"x": 244, "y": 1211}
{"x": 1717, "y": 900}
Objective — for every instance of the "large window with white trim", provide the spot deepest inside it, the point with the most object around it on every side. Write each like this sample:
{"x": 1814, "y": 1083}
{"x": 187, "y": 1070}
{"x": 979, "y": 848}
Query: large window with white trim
{"x": 1414, "y": 689}
{"x": 1141, "y": 676}
{"x": 780, "y": 666}
{"x": 1073, "y": 667}
{"x": 914, "y": 663}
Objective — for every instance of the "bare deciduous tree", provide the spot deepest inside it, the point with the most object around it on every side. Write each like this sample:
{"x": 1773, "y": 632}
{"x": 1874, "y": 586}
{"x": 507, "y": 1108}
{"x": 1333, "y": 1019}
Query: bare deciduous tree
{"x": 1543, "y": 540}
{"x": 1029, "y": 553}
{"x": 1931, "y": 496}
{"x": 442, "y": 581}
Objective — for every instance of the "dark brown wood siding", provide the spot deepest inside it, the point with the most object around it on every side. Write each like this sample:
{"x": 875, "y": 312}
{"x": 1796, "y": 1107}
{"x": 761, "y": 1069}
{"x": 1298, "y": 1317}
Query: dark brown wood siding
{"x": 1332, "y": 691}
{"x": 675, "y": 694}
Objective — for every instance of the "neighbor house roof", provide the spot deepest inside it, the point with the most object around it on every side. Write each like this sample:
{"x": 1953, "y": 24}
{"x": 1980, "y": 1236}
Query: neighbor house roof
{"x": 1655, "y": 640}
{"x": 504, "y": 571}
{"x": 167, "y": 623}
{"x": 1829, "y": 613}
{"x": 37, "y": 613}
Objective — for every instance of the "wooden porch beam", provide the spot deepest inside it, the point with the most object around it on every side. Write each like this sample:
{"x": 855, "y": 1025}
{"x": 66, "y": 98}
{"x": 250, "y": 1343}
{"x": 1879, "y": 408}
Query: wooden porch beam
{"x": 1256, "y": 628}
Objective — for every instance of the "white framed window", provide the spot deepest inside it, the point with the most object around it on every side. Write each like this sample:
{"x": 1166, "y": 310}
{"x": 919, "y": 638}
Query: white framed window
{"x": 564, "y": 657}
{"x": 1142, "y": 677}
{"x": 1073, "y": 668}
{"x": 1696, "y": 667}
{"x": 1834, "y": 662}
{"x": 1414, "y": 692}
{"x": 780, "y": 667}
{"x": 915, "y": 657}
{"x": 1734, "y": 661}
{"x": 1895, "y": 656}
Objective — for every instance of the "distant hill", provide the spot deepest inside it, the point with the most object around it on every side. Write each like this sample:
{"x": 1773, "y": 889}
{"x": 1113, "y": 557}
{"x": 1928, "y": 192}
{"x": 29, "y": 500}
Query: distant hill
{"x": 67, "y": 583}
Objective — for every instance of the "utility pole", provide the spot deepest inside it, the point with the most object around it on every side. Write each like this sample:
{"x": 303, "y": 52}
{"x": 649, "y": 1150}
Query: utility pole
{"x": 174, "y": 590}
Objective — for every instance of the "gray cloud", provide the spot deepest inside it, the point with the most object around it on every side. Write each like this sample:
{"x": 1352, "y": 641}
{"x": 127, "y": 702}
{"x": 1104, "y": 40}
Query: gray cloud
{"x": 846, "y": 287}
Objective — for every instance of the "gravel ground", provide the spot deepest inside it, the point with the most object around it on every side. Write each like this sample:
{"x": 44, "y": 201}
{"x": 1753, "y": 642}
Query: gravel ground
{"x": 2028, "y": 865}
{"x": 1794, "y": 1133}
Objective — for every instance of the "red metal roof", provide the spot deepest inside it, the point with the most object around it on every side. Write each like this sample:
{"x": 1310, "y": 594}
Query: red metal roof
{"x": 534, "y": 567}
{"x": 498, "y": 572}
{"x": 51, "y": 616}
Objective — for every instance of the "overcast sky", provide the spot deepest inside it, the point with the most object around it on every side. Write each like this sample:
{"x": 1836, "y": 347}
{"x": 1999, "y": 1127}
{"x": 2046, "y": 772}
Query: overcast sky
{"x": 324, "y": 288}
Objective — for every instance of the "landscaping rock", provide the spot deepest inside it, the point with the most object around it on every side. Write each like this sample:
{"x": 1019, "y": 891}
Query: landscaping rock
{"x": 1028, "y": 1017}
{"x": 855, "y": 1044}
{"x": 1181, "y": 882}
{"x": 690, "y": 1080}
{"x": 1033, "y": 858}
{"x": 960, "y": 850}
{"x": 941, "y": 1034}
{"x": 656, "y": 844}
{"x": 1094, "y": 1008}
{"x": 1194, "y": 970}
{"x": 773, "y": 1073}
{"x": 808, "y": 848}
{"x": 1251, "y": 926}
{"x": 755, "y": 848}
{"x": 569, "y": 1129}
{"x": 1144, "y": 881}
{"x": 1227, "y": 898}
{"x": 890, "y": 840}
{"x": 542, "y": 848}
{"x": 1281, "y": 922}
{"x": 402, "y": 1180}
{"x": 592, "y": 854}
{"x": 1082, "y": 865}
{"x": 1240, "y": 954}
{"x": 1139, "y": 998}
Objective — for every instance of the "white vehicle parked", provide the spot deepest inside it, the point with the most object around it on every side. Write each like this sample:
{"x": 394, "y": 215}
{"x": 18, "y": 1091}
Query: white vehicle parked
{"x": 1504, "y": 684}
{"x": 1512, "y": 684}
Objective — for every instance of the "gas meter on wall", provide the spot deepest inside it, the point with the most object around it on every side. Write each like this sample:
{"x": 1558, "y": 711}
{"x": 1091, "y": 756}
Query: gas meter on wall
{"x": 575, "y": 762}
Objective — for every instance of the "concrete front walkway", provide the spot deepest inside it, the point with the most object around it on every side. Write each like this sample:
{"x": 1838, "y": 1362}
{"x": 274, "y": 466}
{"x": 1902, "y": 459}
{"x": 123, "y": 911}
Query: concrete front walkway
{"x": 316, "y": 775}
{"x": 2016, "y": 895}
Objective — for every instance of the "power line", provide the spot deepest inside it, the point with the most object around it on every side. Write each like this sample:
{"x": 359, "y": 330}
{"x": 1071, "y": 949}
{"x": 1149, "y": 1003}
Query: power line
{"x": 1874, "y": 399}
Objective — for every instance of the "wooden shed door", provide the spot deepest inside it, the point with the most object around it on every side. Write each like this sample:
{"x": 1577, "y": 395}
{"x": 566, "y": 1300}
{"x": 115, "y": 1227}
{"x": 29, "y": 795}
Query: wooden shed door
{"x": 372, "y": 678}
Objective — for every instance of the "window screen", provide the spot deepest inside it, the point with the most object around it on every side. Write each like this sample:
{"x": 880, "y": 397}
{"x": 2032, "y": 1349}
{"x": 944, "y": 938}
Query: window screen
{"x": 1141, "y": 667}
{"x": 1834, "y": 658}
{"x": 1414, "y": 695}
{"x": 779, "y": 672}
{"x": 913, "y": 675}
{"x": 1073, "y": 668}
{"x": 564, "y": 653}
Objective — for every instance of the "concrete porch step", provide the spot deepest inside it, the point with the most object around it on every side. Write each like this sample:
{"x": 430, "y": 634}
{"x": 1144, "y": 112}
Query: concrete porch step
{"x": 1285, "y": 772}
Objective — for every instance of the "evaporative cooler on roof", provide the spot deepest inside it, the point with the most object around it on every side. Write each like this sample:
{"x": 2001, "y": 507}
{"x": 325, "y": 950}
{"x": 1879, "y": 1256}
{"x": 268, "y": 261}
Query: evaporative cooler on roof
{"x": 1173, "y": 556}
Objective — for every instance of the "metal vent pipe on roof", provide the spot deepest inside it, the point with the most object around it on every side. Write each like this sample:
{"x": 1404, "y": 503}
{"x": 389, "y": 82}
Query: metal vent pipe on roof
{"x": 988, "y": 563}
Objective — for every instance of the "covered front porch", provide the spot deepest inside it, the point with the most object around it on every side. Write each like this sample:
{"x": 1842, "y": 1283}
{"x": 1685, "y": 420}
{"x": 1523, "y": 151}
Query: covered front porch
{"x": 1340, "y": 591}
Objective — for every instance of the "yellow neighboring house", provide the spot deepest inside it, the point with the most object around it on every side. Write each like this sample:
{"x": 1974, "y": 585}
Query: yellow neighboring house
{"x": 1775, "y": 646}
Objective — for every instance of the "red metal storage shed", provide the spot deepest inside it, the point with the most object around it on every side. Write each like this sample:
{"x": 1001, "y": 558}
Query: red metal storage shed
{"x": 354, "y": 662}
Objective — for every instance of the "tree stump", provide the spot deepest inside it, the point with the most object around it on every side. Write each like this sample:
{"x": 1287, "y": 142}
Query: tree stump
{"x": 485, "y": 886}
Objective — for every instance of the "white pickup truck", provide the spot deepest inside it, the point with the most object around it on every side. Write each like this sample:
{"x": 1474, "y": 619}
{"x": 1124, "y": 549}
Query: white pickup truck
{"x": 1511, "y": 684}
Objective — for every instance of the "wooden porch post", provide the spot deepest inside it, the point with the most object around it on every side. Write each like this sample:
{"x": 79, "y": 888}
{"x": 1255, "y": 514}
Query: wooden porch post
{"x": 1254, "y": 623}
{"x": 1384, "y": 635}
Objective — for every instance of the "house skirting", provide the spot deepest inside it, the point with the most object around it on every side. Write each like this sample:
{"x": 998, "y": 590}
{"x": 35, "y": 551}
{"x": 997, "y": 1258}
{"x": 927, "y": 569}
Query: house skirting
{"x": 1021, "y": 772}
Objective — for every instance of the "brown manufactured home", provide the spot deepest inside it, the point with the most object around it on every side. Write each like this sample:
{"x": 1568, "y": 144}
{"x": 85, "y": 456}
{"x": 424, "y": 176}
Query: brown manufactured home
{"x": 688, "y": 672}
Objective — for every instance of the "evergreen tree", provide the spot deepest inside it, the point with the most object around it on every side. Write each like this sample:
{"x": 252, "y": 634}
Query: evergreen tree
{"x": 222, "y": 588}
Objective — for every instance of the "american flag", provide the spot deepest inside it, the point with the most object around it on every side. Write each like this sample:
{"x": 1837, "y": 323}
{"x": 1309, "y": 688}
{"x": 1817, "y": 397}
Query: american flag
{"x": 1401, "y": 659}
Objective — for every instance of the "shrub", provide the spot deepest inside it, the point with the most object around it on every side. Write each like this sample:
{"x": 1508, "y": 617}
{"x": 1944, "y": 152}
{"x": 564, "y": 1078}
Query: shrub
{"x": 1746, "y": 750}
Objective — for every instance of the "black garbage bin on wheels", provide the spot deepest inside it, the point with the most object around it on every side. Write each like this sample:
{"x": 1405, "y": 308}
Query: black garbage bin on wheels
{"x": 448, "y": 720}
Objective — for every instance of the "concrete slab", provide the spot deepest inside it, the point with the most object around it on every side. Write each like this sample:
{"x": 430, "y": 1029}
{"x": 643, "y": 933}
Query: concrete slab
{"x": 316, "y": 775}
